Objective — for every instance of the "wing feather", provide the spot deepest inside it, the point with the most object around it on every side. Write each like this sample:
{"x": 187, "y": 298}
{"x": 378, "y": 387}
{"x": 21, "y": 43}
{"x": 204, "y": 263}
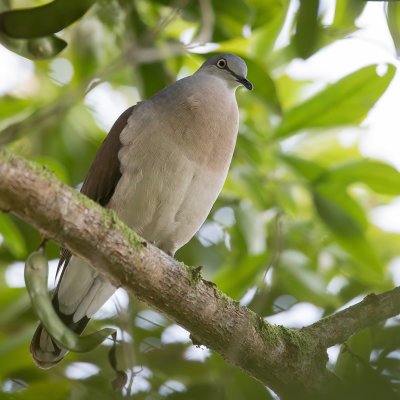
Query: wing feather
{"x": 103, "y": 175}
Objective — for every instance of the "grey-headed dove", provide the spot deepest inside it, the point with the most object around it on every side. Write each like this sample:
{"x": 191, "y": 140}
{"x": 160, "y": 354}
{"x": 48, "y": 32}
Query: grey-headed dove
{"x": 161, "y": 168}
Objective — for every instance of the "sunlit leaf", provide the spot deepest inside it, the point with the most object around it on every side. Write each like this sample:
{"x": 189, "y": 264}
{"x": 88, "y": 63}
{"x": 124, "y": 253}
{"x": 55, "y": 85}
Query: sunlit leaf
{"x": 380, "y": 177}
{"x": 345, "y": 102}
{"x": 10, "y": 106}
{"x": 306, "y": 28}
{"x": 393, "y": 20}
{"x": 346, "y": 11}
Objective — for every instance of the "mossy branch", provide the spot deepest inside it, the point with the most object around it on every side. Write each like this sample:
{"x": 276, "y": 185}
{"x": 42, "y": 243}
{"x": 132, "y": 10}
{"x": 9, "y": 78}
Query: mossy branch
{"x": 287, "y": 360}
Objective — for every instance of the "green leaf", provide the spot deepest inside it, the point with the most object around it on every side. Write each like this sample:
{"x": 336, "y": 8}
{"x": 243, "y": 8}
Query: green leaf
{"x": 235, "y": 280}
{"x": 151, "y": 78}
{"x": 347, "y": 11}
{"x": 393, "y": 20}
{"x": 345, "y": 102}
{"x": 305, "y": 37}
{"x": 12, "y": 237}
{"x": 310, "y": 170}
{"x": 354, "y": 355}
{"x": 338, "y": 194}
{"x": 42, "y": 21}
{"x": 269, "y": 17}
{"x": 380, "y": 177}
{"x": 9, "y": 106}
{"x": 238, "y": 10}
{"x": 350, "y": 235}
{"x": 264, "y": 86}
{"x": 35, "y": 49}
{"x": 301, "y": 281}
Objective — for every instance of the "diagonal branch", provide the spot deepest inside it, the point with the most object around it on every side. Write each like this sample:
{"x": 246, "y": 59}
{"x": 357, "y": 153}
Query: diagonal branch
{"x": 288, "y": 360}
{"x": 338, "y": 327}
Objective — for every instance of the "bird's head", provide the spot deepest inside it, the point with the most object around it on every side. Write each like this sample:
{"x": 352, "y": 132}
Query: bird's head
{"x": 229, "y": 67}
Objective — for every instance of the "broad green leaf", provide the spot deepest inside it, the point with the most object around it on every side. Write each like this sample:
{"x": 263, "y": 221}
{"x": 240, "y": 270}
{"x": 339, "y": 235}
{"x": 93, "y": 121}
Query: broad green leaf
{"x": 10, "y": 106}
{"x": 264, "y": 86}
{"x": 238, "y": 46}
{"x": 235, "y": 280}
{"x": 301, "y": 281}
{"x": 12, "y": 237}
{"x": 338, "y": 194}
{"x": 380, "y": 177}
{"x": 350, "y": 235}
{"x": 305, "y": 37}
{"x": 268, "y": 13}
{"x": 354, "y": 355}
{"x": 310, "y": 170}
{"x": 346, "y": 11}
{"x": 35, "y": 49}
{"x": 44, "y": 20}
{"x": 345, "y": 102}
{"x": 238, "y": 10}
{"x": 269, "y": 18}
{"x": 151, "y": 78}
{"x": 393, "y": 20}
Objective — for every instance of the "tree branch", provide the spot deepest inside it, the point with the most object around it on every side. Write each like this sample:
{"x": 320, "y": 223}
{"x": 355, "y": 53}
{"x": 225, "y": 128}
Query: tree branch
{"x": 338, "y": 327}
{"x": 288, "y": 360}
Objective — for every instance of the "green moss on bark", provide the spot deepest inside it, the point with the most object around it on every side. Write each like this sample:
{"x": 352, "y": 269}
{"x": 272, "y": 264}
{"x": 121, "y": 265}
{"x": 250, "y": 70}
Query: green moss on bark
{"x": 195, "y": 274}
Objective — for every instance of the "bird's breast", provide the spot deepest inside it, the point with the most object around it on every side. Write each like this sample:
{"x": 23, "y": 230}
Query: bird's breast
{"x": 174, "y": 160}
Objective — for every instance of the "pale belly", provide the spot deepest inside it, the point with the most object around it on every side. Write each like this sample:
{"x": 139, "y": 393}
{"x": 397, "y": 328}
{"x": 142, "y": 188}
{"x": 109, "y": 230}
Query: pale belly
{"x": 164, "y": 196}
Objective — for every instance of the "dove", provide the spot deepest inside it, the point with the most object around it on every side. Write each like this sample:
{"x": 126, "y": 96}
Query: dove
{"x": 160, "y": 168}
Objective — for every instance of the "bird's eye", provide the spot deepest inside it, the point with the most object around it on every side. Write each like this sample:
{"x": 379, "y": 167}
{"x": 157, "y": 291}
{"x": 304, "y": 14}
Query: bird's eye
{"x": 221, "y": 63}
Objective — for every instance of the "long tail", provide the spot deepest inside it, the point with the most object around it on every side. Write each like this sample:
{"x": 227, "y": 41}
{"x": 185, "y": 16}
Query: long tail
{"x": 79, "y": 294}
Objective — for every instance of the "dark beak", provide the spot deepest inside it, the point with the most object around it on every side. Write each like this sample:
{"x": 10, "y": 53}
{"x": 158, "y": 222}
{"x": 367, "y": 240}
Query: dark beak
{"x": 247, "y": 84}
{"x": 241, "y": 79}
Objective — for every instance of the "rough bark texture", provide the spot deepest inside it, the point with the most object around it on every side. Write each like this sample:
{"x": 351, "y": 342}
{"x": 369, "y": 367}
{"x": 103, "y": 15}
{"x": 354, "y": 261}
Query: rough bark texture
{"x": 287, "y": 360}
{"x": 339, "y": 327}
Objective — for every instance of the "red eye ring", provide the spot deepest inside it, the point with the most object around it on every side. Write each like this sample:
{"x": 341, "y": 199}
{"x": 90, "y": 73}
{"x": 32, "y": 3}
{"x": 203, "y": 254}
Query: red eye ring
{"x": 221, "y": 63}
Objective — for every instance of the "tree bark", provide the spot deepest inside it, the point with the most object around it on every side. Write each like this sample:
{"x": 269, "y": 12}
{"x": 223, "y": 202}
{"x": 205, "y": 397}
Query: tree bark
{"x": 289, "y": 361}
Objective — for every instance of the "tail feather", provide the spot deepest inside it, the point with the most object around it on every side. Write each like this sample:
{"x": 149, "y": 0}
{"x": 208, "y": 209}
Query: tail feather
{"x": 45, "y": 351}
{"x": 79, "y": 294}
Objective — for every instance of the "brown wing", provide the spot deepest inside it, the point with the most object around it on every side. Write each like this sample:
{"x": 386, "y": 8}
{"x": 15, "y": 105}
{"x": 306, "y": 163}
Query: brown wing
{"x": 103, "y": 174}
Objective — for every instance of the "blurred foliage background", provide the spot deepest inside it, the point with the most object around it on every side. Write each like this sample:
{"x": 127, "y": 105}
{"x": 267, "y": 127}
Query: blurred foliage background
{"x": 290, "y": 233}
